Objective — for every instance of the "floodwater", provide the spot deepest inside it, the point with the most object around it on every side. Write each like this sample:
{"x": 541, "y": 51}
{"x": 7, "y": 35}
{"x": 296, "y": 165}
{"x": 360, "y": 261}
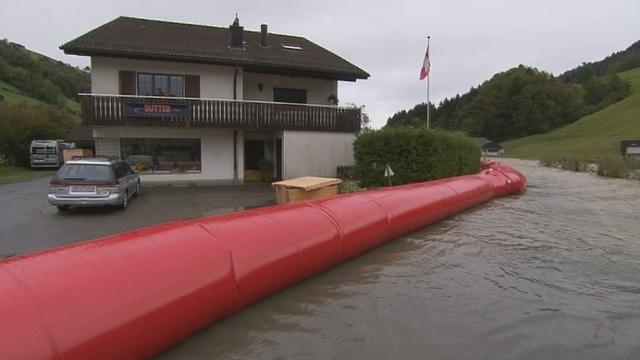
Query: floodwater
{"x": 551, "y": 274}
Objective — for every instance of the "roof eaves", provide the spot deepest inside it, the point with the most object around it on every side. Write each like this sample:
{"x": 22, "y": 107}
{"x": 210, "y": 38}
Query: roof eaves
{"x": 219, "y": 60}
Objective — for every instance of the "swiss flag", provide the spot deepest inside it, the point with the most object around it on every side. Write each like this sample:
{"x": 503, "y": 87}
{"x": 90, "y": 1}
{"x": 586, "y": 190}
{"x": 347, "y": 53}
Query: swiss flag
{"x": 426, "y": 66}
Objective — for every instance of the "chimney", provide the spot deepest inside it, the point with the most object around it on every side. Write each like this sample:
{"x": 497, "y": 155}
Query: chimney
{"x": 235, "y": 33}
{"x": 263, "y": 35}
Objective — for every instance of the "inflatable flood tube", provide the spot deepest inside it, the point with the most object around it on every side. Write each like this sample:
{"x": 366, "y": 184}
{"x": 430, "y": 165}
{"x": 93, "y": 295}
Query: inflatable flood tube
{"x": 133, "y": 295}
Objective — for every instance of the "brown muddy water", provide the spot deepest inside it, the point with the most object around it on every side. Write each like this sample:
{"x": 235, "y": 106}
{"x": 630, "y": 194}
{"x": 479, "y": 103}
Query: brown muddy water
{"x": 551, "y": 274}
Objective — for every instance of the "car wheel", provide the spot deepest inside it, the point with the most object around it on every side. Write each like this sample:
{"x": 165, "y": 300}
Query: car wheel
{"x": 125, "y": 201}
{"x": 63, "y": 208}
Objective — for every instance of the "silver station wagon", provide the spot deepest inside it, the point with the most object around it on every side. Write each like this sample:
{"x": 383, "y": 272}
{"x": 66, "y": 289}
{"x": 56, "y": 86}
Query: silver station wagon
{"x": 93, "y": 182}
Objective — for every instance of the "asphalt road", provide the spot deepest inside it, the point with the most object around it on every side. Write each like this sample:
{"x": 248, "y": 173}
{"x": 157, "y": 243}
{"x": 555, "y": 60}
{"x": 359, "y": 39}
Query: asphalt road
{"x": 29, "y": 223}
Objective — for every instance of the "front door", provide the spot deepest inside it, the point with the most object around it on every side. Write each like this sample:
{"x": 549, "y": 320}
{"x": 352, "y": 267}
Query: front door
{"x": 253, "y": 153}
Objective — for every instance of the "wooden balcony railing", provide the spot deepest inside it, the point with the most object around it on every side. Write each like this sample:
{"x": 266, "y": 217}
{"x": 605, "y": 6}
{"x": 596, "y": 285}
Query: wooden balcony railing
{"x": 215, "y": 113}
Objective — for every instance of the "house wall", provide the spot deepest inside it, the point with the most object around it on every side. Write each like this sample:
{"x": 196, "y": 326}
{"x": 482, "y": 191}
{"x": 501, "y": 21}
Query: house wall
{"x": 313, "y": 153}
{"x": 304, "y": 152}
{"x": 216, "y": 151}
{"x": 107, "y": 146}
{"x": 318, "y": 90}
{"x": 216, "y": 82}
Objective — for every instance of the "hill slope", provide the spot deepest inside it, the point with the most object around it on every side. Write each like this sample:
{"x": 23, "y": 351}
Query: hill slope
{"x": 618, "y": 62}
{"x": 35, "y": 78}
{"x": 525, "y": 101}
{"x": 595, "y": 134}
{"x": 12, "y": 94}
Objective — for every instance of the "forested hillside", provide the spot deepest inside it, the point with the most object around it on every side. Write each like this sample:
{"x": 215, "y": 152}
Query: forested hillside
{"x": 524, "y": 101}
{"x": 594, "y": 135}
{"x": 615, "y": 63}
{"x": 38, "y": 100}
{"x": 26, "y": 74}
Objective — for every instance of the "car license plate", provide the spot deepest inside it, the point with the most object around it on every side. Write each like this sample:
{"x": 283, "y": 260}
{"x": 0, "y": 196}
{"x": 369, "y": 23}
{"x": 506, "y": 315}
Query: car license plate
{"x": 82, "y": 189}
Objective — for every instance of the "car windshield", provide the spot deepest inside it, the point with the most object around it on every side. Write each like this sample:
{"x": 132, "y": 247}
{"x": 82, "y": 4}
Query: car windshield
{"x": 85, "y": 172}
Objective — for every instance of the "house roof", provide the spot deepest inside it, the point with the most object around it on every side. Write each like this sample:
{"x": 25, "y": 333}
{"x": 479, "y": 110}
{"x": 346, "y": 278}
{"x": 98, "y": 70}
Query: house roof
{"x": 482, "y": 141}
{"x": 486, "y": 143}
{"x": 163, "y": 40}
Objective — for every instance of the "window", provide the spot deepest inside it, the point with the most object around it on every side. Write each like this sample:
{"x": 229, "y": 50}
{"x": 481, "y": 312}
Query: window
{"x": 162, "y": 156}
{"x": 145, "y": 84}
{"x": 119, "y": 171}
{"x": 176, "y": 85}
{"x": 85, "y": 172}
{"x": 160, "y": 85}
{"x": 127, "y": 168}
{"x": 290, "y": 95}
{"x": 292, "y": 47}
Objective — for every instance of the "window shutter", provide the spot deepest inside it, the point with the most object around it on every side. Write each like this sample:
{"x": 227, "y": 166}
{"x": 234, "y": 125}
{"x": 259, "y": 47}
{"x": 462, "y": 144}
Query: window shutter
{"x": 127, "y": 82}
{"x": 192, "y": 86}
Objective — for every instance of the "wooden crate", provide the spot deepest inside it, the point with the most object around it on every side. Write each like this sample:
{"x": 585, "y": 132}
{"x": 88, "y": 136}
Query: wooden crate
{"x": 69, "y": 154}
{"x": 253, "y": 175}
{"x": 305, "y": 188}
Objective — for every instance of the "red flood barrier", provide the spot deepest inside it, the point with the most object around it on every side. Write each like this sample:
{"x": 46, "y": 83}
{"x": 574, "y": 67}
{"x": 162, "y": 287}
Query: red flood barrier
{"x": 135, "y": 294}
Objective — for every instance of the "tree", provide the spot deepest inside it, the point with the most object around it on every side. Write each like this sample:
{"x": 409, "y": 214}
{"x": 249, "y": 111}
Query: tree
{"x": 365, "y": 121}
{"x": 515, "y": 103}
{"x": 39, "y": 76}
{"x": 21, "y": 123}
{"x": 605, "y": 90}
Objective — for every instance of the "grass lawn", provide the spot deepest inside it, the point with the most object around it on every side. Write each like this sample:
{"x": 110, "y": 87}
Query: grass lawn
{"x": 13, "y": 94}
{"x": 591, "y": 136}
{"x": 9, "y": 174}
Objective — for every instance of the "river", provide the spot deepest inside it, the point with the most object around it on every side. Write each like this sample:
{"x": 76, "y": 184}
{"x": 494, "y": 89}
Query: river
{"x": 551, "y": 274}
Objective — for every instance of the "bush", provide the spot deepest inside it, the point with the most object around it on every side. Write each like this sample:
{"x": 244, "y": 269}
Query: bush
{"x": 566, "y": 162}
{"x": 414, "y": 155}
{"x": 613, "y": 166}
{"x": 349, "y": 186}
{"x": 266, "y": 167}
{"x": 616, "y": 166}
{"x": 347, "y": 172}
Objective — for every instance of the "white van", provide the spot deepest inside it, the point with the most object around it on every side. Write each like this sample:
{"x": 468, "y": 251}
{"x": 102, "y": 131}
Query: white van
{"x": 47, "y": 153}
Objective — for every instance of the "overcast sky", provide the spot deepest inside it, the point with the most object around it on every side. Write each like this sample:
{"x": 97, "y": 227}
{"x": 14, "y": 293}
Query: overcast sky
{"x": 470, "y": 40}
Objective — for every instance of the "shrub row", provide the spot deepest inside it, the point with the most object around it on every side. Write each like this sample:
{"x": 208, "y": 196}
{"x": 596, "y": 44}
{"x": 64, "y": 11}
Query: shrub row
{"x": 20, "y": 123}
{"x": 414, "y": 155}
{"x": 613, "y": 166}
{"x": 347, "y": 172}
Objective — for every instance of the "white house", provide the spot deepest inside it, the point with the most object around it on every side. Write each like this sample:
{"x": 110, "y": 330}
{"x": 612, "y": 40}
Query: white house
{"x": 185, "y": 102}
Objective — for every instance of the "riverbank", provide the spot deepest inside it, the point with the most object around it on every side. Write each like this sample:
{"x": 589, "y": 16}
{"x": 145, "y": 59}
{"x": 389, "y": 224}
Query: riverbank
{"x": 613, "y": 166}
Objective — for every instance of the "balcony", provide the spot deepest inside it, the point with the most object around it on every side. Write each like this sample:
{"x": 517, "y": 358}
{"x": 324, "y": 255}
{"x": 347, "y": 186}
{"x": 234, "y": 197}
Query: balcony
{"x": 119, "y": 110}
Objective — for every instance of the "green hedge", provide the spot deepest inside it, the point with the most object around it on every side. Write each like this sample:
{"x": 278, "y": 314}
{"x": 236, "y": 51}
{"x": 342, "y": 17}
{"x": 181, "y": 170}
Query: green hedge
{"x": 414, "y": 155}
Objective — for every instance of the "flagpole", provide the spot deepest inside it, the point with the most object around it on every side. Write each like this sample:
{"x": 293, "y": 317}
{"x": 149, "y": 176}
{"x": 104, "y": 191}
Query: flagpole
{"x": 428, "y": 76}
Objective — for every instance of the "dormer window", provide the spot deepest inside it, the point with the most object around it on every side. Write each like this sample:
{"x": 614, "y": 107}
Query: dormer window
{"x": 292, "y": 47}
{"x": 160, "y": 85}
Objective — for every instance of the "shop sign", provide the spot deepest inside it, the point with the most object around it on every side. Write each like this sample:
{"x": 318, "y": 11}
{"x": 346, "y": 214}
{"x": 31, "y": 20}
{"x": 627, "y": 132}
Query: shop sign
{"x": 157, "y": 110}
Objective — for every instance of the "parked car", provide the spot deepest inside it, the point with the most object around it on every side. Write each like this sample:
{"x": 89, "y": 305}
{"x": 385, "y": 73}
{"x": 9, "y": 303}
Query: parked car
{"x": 93, "y": 182}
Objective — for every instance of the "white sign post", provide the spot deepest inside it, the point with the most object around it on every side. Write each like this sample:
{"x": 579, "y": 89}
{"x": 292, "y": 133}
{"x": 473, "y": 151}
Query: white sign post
{"x": 388, "y": 173}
